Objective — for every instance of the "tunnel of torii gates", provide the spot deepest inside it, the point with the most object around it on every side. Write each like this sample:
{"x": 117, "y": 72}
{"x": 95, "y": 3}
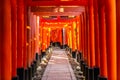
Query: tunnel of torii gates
{"x": 94, "y": 33}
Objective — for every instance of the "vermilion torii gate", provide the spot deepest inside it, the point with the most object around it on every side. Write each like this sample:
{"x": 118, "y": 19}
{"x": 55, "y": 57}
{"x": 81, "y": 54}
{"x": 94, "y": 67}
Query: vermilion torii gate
{"x": 22, "y": 36}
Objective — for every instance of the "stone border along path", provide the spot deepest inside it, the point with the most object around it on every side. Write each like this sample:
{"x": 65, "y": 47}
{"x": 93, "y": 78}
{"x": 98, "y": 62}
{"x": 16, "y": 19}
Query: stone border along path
{"x": 58, "y": 67}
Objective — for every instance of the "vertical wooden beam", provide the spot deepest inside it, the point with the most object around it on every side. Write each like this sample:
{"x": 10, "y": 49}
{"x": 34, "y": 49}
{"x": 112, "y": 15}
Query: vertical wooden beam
{"x": 25, "y": 38}
{"x": 102, "y": 39}
{"x": 0, "y": 39}
{"x": 97, "y": 50}
{"x": 20, "y": 28}
{"x": 14, "y": 37}
{"x": 91, "y": 34}
{"x": 96, "y": 24}
{"x": 87, "y": 36}
{"x": 80, "y": 34}
{"x": 110, "y": 10}
{"x": 5, "y": 38}
{"x": 73, "y": 40}
{"x": 34, "y": 36}
{"x": 88, "y": 29}
{"x": 118, "y": 37}
{"x": 91, "y": 39}
{"x": 20, "y": 38}
{"x": 37, "y": 34}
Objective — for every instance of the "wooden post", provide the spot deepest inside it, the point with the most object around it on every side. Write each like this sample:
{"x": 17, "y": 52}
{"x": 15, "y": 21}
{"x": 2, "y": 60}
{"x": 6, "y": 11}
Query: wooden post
{"x": 5, "y": 40}
{"x": 14, "y": 37}
{"x": 20, "y": 38}
{"x": 118, "y": 38}
{"x": 91, "y": 38}
{"x": 96, "y": 24}
{"x": 102, "y": 39}
{"x": 110, "y": 10}
{"x": 97, "y": 50}
{"x": 91, "y": 34}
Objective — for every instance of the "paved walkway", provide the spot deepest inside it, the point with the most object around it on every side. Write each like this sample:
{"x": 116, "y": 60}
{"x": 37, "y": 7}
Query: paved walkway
{"x": 58, "y": 67}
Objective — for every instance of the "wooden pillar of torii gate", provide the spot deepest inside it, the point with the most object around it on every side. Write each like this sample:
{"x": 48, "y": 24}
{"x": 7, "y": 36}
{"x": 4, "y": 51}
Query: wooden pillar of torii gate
{"x": 118, "y": 37}
{"x": 110, "y": 11}
{"x": 14, "y": 38}
{"x": 91, "y": 39}
{"x": 102, "y": 39}
{"x": 5, "y": 40}
{"x": 97, "y": 50}
{"x": 20, "y": 39}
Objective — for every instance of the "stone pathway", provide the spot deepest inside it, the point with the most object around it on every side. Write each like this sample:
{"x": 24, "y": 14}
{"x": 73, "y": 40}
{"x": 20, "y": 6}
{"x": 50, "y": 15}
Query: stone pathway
{"x": 58, "y": 67}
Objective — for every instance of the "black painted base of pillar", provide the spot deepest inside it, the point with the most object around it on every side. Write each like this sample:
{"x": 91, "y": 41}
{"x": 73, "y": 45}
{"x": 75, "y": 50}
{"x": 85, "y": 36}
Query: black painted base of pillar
{"x": 40, "y": 57}
{"x": 96, "y": 72}
{"x": 43, "y": 54}
{"x": 15, "y": 78}
{"x": 84, "y": 64}
{"x": 37, "y": 56}
{"x": 26, "y": 74}
{"x": 33, "y": 69}
{"x": 80, "y": 53}
{"x": 81, "y": 64}
{"x": 74, "y": 54}
{"x": 35, "y": 66}
{"x": 70, "y": 50}
{"x": 29, "y": 73}
{"x": 86, "y": 72}
{"x": 102, "y": 78}
{"x": 90, "y": 74}
{"x": 21, "y": 73}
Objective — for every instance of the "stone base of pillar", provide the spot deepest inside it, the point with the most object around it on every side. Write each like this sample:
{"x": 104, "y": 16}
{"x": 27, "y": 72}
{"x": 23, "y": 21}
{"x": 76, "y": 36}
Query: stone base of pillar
{"x": 102, "y": 78}
{"x": 15, "y": 78}
{"x": 21, "y": 73}
{"x": 90, "y": 73}
{"x": 96, "y": 72}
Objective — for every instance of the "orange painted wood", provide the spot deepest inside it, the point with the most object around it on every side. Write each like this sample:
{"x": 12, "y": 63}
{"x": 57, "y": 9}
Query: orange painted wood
{"x": 91, "y": 34}
{"x": 84, "y": 36}
{"x": 56, "y": 3}
{"x": 5, "y": 40}
{"x": 102, "y": 29}
{"x": 96, "y": 24}
{"x": 77, "y": 33}
{"x": 0, "y": 36}
{"x": 118, "y": 38}
{"x": 73, "y": 40}
{"x": 37, "y": 34}
{"x": 80, "y": 34}
{"x": 34, "y": 36}
{"x": 28, "y": 45}
{"x": 60, "y": 35}
{"x": 87, "y": 38}
{"x": 102, "y": 39}
{"x": 110, "y": 10}
{"x": 24, "y": 42}
{"x": 43, "y": 39}
{"x": 20, "y": 33}
{"x": 14, "y": 36}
